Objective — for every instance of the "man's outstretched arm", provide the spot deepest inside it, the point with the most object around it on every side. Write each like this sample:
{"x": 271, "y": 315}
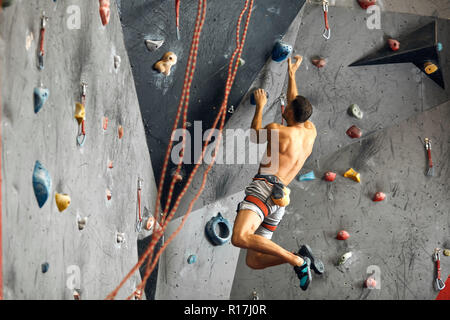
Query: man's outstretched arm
{"x": 292, "y": 92}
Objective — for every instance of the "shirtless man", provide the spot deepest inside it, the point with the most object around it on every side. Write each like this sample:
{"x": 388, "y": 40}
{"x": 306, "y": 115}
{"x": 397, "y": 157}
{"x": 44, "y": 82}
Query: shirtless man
{"x": 258, "y": 214}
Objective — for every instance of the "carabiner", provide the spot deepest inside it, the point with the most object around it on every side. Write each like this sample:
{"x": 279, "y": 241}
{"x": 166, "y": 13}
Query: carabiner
{"x": 139, "y": 216}
{"x": 81, "y": 137}
{"x": 439, "y": 283}
{"x": 327, "y": 32}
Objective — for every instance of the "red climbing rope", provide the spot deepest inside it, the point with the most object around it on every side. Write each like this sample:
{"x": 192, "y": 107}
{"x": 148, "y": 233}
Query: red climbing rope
{"x": 221, "y": 116}
{"x": 190, "y": 68}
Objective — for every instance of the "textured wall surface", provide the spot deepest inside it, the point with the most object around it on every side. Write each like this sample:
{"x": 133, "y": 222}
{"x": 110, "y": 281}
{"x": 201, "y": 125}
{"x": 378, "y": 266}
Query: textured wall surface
{"x": 401, "y": 105}
{"x": 32, "y": 236}
{"x": 211, "y": 276}
{"x": 386, "y": 94}
{"x": 397, "y": 235}
{"x": 159, "y": 95}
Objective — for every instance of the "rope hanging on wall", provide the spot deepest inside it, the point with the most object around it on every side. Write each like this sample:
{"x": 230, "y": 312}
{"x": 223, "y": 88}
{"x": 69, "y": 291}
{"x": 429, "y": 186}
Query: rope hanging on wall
{"x": 183, "y": 106}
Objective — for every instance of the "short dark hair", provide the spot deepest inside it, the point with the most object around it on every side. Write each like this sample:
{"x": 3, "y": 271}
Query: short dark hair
{"x": 302, "y": 109}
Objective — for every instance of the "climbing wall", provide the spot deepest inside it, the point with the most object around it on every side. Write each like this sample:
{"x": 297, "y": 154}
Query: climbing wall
{"x": 395, "y": 237}
{"x": 35, "y": 239}
{"x": 159, "y": 95}
{"x": 387, "y": 94}
{"x": 399, "y": 235}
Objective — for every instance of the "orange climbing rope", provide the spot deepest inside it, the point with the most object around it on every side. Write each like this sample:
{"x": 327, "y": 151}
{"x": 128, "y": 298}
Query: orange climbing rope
{"x": 190, "y": 68}
{"x": 184, "y": 101}
{"x": 232, "y": 70}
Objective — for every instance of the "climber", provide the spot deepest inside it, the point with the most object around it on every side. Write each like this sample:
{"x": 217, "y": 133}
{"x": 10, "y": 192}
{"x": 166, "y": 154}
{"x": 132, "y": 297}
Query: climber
{"x": 266, "y": 197}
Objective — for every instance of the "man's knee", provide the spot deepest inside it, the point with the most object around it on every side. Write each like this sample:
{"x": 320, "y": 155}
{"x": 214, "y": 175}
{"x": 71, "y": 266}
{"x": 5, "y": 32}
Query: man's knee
{"x": 239, "y": 240}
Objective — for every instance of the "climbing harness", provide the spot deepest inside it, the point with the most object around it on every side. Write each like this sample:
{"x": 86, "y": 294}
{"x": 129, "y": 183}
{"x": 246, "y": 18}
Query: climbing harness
{"x": 218, "y": 222}
{"x": 44, "y": 20}
{"x": 139, "y": 215}
{"x": 80, "y": 115}
{"x": 439, "y": 283}
{"x": 327, "y": 32}
{"x": 184, "y": 102}
{"x": 177, "y": 17}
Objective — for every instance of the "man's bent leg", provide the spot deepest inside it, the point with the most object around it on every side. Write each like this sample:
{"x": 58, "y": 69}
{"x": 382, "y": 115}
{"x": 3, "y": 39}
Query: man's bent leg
{"x": 258, "y": 260}
{"x": 244, "y": 228}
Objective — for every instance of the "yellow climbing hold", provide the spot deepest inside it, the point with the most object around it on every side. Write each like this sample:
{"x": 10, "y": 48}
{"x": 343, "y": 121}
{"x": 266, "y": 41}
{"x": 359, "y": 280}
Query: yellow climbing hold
{"x": 352, "y": 174}
{"x": 80, "y": 112}
{"x": 447, "y": 252}
{"x": 62, "y": 201}
{"x": 430, "y": 67}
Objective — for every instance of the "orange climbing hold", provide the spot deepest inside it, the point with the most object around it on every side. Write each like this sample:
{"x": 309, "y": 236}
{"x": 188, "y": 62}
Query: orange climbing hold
{"x": 62, "y": 201}
{"x": 352, "y": 174}
{"x": 165, "y": 64}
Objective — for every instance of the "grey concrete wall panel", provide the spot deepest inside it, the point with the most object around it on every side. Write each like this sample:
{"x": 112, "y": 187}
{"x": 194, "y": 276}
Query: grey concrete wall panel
{"x": 32, "y": 236}
{"x": 159, "y": 95}
{"x": 386, "y": 94}
{"x": 211, "y": 276}
{"x": 397, "y": 235}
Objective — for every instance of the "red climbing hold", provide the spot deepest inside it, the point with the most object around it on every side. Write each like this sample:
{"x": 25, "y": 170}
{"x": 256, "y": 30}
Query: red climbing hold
{"x": 319, "y": 63}
{"x": 354, "y": 132}
{"x": 329, "y": 176}
{"x": 370, "y": 283}
{"x": 105, "y": 11}
{"x": 366, "y": 3}
{"x": 343, "y": 235}
{"x": 379, "y": 196}
{"x": 105, "y": 123}
{"x": 394, "y": 44}
{"x": 120, "y": 132}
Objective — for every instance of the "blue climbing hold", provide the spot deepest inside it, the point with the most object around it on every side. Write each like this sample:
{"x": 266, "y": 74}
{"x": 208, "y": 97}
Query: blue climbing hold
{"x": 307, "y": 176}
{"x": 192, "y": 259}
{"x": 281, "y": 51}
{"x": 252, "y": 98}
{"x": 44, "y": 267}
{"x": 40, "y": 96}
{"x": 218, "y": 230}
{"x": 42, "y": 183}
{"x": 440, "y": 46}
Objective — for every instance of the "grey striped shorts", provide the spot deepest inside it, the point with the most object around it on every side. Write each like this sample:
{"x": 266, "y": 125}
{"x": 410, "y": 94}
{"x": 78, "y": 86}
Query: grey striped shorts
{"x": 262, "y": 190}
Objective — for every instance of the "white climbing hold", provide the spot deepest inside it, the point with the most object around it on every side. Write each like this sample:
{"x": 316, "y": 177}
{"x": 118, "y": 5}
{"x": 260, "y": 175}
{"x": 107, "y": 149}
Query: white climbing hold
{"x": 153, "y": 45}
{"x": 120, "y": 237}
{"x": 117, "y": 61}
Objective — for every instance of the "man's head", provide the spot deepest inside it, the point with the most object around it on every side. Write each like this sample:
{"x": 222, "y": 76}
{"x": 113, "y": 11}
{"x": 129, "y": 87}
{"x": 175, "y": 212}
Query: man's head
{"x": 299, "y": 110}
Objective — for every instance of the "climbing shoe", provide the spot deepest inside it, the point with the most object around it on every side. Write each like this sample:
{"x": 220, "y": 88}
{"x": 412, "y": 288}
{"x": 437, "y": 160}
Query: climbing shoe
{"x": 304, "y": 273}
{"x": 316, "y": 264}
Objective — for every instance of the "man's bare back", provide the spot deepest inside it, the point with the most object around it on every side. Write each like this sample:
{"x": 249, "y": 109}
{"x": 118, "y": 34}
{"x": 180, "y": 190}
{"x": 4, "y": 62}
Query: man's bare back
{"x": 265, "y": 198}
{"x": 295, "y": 144}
